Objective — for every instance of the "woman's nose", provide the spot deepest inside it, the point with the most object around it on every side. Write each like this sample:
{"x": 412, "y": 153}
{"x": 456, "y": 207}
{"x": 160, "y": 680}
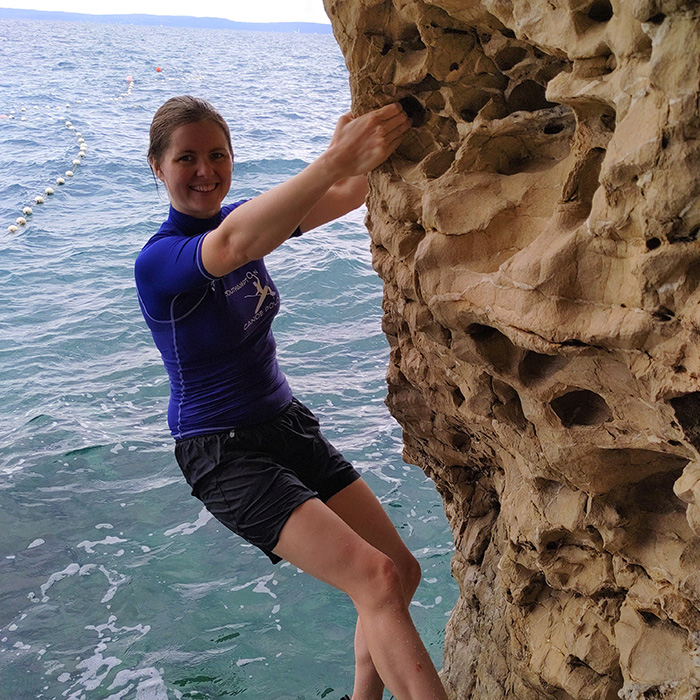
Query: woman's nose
{"x": 204, "y": 167}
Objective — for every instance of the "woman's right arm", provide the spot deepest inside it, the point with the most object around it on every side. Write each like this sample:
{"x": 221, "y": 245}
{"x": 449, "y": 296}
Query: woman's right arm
{"x": 257, "y": 227}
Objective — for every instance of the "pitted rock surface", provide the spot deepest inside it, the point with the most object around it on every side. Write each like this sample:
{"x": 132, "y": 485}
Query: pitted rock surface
{"x": 537, "y": 234}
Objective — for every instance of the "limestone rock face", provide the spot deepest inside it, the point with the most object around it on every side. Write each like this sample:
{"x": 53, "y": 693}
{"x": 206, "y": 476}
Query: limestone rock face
{"x": 537, "y": 233}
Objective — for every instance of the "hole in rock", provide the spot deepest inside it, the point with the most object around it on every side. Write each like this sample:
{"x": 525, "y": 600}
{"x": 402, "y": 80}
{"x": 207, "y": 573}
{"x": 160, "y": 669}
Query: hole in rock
{"x": 535, "y": 366}
{"x": 455, "y": 30}
{"x": 575, "y": 662}
{"x": 457, "y": 396}
{"x": 687, "y": 410}
{"x": 649, "y": 617}
{"x": 460, "y": 441}
{"x": 414, "y": 110}
{"x": 663, "y": 314}
{"x": 480, "y": 333}
{"x": 634, "y": 480}
{"x": 454, "y": 66}
{"x": 493, "y": 346}
{"x": 473, "y": 102}
{"x": 528, "y": 96}
{"x": 386, "y": 48}
{"x": 654, "y": 494}
{"x": 657, "y": 18}
{"x": 581, "y": 407}
{"x": 428, "y": 84}
{"x": 682, "y": 233}
{"x": 510, "y": 409}
{"x": 653, "y": 243}
{"x": 600, "y": 11}
{"x": 609, "y": 119}
{"x": 574, "y": 343}
{"x": 509, "y": 57}
{"x": 554, "y": 128}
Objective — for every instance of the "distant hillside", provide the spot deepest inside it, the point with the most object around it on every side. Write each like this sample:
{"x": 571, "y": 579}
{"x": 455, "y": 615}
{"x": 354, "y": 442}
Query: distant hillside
{"x": 169, "y": 21}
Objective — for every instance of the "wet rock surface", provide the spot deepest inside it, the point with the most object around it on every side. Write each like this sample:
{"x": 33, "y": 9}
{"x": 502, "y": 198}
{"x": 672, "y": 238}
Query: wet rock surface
{"x": 537, "y": 236}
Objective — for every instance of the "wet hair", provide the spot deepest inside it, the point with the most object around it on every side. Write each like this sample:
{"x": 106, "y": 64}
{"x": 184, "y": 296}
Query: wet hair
{"x": 177, "y": 112}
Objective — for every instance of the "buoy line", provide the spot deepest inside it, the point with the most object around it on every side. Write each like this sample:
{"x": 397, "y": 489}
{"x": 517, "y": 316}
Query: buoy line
{"x": 39, "y": 199}
{"x": 27, "y": 211}
{"x": 21, "y": 221}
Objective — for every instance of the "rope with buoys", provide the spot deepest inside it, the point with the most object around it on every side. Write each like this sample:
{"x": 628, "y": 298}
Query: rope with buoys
{"x": 27, "y": 211}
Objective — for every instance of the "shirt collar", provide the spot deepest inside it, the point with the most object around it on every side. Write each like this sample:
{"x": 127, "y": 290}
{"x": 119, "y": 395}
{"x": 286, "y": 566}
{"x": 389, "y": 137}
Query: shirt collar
{"x": 191, "y": 225}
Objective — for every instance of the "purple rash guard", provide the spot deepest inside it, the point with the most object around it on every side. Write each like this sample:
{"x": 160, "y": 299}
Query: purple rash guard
{"x": 214, "y": 334}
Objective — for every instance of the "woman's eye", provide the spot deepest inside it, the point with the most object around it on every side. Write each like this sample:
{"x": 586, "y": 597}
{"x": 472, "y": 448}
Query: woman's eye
{"x": 217, "y": 156}
{"x": 185, "y": 159}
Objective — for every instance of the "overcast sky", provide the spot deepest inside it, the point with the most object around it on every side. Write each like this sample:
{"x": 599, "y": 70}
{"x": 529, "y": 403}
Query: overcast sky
{"x": 237, "y": 10}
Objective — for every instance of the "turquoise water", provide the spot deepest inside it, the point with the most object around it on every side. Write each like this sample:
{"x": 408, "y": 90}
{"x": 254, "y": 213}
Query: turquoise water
{"x": 114, "y": 583}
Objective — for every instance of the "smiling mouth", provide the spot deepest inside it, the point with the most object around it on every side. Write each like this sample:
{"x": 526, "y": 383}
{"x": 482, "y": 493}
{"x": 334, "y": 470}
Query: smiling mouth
{"x": 204, "y": 188}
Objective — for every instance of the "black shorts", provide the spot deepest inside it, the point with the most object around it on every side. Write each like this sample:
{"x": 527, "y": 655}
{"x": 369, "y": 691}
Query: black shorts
{"x": 251, "y": 479}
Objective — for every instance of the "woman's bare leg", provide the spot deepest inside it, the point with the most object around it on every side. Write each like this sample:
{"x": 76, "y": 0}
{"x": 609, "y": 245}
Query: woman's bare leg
{"x": 318, "y": 541}
{"x": 358, "y": 507}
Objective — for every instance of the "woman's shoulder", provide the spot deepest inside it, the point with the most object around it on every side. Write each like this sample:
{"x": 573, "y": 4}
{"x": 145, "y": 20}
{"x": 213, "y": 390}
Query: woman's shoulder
{"x": 226, "y": 209}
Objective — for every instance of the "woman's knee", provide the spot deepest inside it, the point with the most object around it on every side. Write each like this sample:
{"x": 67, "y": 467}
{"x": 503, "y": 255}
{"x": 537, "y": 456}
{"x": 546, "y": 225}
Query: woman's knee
{"x": 379, "y": 581}
{"x": 411, "y": 575}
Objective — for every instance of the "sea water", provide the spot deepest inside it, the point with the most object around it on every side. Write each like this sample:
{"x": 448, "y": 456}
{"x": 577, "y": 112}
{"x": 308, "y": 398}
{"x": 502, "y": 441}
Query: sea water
{"x": 114, "y": 582}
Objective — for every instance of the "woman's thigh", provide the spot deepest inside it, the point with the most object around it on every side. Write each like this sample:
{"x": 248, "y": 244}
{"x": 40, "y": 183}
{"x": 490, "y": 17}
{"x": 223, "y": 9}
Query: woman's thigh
{"x": 357, "y": 505}
{"x": 340, "y": 541}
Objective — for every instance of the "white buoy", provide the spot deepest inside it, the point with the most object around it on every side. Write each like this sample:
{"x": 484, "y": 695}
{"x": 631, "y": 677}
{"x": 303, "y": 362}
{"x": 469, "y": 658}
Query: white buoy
{"x": 78, "y": 135}
{"x": 48, "y": 191}
{"x": 69, "y": 173}
{"x": 76, "y": 162}
{"x": 81, "y": 154}
{"x": 39, "y": 199}
{"x": 60, "y": 181}
{"x": 68, "y": 124}
{"x": 12, "y": 229}
{"x": 27, "y": 211}
{"x": 20, "y": 221}
{"x": 23, "y": 109}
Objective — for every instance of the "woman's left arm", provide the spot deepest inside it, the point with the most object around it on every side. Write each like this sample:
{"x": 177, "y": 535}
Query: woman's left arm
{"x": 343, "y": 197}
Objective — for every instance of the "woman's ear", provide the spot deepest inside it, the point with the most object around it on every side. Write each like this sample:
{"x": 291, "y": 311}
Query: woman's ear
{"x": 157, "y": 172}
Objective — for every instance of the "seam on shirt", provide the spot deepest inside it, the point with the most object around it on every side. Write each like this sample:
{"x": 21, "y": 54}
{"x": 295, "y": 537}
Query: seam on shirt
{"x": 174, "y": 299}
{"x": 173, "y": 324}
{"x": 198, "y": 256}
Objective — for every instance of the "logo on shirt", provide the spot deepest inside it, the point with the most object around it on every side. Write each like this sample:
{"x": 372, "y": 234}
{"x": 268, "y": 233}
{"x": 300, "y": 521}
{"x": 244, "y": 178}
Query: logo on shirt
{"x": 261, "y": 292}
{"x": 266, "y": 296}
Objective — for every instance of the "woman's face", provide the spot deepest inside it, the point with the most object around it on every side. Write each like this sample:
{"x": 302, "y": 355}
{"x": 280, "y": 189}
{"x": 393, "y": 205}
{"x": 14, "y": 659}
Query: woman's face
{"x": 196, "y": 169}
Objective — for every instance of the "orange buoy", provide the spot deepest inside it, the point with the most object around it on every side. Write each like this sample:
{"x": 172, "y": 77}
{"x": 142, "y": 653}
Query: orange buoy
{"x": 158, "y": 69}
{"x": 129, "y": 79}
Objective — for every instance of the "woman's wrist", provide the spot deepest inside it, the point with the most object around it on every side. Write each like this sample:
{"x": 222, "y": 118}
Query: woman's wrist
{"x": 331, "y": 168}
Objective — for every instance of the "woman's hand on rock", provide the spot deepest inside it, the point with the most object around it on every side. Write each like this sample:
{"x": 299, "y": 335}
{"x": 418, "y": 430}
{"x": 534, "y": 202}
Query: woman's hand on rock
{"x": 360, "y": 144}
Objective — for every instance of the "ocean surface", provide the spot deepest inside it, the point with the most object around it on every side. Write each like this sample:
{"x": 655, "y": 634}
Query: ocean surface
{"x": 114, "y": 582}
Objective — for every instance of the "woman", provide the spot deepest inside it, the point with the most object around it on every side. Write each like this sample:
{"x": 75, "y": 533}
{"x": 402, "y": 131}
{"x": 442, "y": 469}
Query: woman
{"x": 251, "y": 452}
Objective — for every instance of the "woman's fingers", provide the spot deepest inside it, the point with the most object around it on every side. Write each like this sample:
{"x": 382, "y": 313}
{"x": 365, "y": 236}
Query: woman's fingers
{"x": 362, "y": 143}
